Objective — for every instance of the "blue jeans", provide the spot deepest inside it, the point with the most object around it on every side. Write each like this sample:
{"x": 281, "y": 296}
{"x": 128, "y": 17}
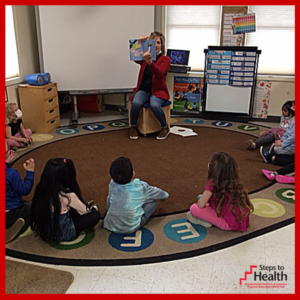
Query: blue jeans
{"x": 66, "y": 227}
{"x": 149, "y": 209}
{"x": 138, "y": 101}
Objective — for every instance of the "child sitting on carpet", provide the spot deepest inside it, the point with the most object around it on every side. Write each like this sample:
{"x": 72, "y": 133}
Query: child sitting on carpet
{"x": 284, "y": 146}
{"x": 17, "y": 211}
{"x": 224, "y": 202}
{"x": 130, "y": 202}
{"x": 58, "y": 211}
{"x": 273, "y": 134}
{"x": 15, "y": 133}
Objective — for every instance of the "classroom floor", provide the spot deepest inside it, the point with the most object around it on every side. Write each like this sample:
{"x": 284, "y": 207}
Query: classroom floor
{"x": 218, "y": 272}
{"x": 214, "y": 273}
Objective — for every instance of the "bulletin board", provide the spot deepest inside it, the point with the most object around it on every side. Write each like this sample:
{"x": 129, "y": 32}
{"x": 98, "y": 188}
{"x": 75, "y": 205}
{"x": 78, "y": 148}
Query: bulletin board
{"x": 227, "y": 37}
{"x": 229, "y": 80}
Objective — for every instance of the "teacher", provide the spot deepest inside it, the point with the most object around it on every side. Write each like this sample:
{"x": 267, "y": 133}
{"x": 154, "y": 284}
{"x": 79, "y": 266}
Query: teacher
{"x": 151, "y": 86}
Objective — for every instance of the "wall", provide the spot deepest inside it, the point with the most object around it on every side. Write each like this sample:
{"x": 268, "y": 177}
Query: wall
{"x": 158, "y": 25}
{"x": 283, "y": 88}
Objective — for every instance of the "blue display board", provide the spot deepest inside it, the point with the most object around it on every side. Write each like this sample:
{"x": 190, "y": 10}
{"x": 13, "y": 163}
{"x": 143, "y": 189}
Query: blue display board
{"x": 230, "y": 79}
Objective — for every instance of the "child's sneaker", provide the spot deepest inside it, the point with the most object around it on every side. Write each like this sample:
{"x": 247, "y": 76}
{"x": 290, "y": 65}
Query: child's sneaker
{"x": 95, "y": 207}
{"x": 90, "y": 203}
{"x": 269, "y": 174}
{"x": 197, "y": 221}
{"x": 285, "y": 179}
{"x": 271, "y": 149}
{"x": 12, "y": 232}
{"x": 264, "y": 154}
{"x": 250, "y": 145}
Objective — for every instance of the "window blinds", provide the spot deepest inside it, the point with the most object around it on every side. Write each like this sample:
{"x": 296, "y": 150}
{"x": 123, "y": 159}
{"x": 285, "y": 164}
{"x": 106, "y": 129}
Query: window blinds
{"x": 195, "y": 28}
{"x": 275, "y": 36}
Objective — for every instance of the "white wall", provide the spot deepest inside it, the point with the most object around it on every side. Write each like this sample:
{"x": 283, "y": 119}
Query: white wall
{"x": 281, "y": 91}
{"x": 86, "y": 47}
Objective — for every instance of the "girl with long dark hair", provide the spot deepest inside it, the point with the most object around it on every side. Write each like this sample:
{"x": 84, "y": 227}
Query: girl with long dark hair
{"x": 58, "y": 211}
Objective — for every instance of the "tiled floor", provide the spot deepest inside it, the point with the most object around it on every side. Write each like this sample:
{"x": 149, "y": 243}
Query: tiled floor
{"x": 215, "y": 273}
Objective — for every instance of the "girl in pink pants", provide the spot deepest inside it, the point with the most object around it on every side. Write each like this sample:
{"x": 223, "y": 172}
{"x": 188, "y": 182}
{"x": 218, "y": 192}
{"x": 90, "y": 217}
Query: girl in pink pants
{"x": 15, "y": 133}
{"x": 224, "y": 202}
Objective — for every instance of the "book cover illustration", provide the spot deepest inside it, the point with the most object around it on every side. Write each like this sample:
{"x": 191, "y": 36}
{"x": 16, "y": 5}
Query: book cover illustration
{"x": 187, "y": 93}
{"x": 137, "y": 49}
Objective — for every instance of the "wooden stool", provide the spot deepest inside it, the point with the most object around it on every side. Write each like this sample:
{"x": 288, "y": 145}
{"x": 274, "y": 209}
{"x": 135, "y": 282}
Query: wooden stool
{"x": 147, "y": 122}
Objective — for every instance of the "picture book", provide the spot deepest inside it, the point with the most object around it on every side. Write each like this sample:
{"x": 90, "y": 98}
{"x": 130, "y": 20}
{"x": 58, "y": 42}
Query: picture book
{"x": 187, "y": 93}
{"x": 137, "y": 49}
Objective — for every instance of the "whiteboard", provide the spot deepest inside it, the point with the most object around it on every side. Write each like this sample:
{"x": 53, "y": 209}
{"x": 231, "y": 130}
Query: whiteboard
{"x": 228, "y": 99}
{"x": 87, "y": 47}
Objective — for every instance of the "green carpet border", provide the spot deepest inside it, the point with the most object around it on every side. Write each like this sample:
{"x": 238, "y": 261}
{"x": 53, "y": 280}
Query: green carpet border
{"x": 147, "y": 260}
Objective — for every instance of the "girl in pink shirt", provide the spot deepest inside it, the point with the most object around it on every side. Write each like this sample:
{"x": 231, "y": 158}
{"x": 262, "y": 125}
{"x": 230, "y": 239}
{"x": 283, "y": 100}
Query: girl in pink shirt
{"x": 224, "y": 202}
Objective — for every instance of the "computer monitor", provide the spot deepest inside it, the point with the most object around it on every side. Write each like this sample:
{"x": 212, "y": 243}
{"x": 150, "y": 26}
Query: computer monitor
{"x": 179, "y": 57}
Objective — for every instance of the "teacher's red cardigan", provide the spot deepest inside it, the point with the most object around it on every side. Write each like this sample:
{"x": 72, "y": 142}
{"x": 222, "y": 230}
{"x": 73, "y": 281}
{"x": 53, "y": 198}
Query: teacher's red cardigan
{"x": 159, "y": 71}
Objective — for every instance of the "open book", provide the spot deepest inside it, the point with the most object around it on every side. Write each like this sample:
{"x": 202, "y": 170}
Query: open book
{"x": 137, "y": 49}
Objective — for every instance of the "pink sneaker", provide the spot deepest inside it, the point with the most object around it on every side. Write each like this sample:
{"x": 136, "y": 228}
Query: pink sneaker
{"x": 285, "y": 179}
{"x": 269, "y": 174}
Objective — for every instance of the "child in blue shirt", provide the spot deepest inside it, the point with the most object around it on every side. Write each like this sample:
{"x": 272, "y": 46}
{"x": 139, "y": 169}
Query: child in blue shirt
{"x": 15, "y": 207}
{"x": 130, "y": 202}
{"x": 284, "y": 146}
{"x": 276, "y": 133}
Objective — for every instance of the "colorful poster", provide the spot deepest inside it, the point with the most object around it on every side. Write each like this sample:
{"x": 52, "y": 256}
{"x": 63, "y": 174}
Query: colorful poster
{"x": 187, "y": 93}
{"x": 261, "y": 99}
{"x": 243, "y": 24}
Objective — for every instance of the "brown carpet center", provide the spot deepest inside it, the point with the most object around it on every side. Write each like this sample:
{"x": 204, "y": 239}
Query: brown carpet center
{"x": 178, "y": 164}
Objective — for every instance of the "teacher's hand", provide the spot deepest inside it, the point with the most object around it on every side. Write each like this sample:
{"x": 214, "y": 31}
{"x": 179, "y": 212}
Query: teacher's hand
{"x": 148, "y": 57}
{"x": 143, "y": 38}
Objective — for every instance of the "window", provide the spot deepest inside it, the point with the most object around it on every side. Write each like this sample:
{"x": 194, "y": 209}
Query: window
{"x": 195, "y": 28}
{"x": 11, "y": 53}
{"x": 275, "y": 36}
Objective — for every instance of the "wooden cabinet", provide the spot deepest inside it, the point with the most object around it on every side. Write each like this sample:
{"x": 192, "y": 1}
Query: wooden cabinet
{"x": 39, "y": 105}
